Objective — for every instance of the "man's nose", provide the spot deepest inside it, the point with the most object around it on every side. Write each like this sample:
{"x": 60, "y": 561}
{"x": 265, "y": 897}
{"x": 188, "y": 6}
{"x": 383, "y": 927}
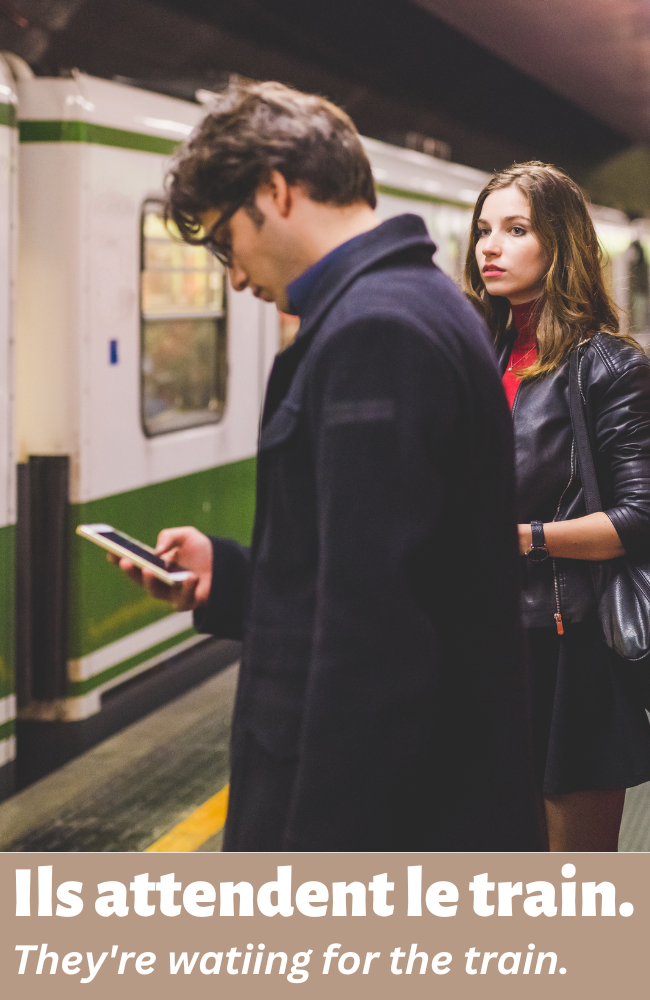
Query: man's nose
{"x": 238, "y": 278}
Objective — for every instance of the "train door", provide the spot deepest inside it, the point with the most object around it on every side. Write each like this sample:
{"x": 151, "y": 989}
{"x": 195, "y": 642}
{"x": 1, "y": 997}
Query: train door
{"x": 8, "y": 157}
{"x": 139, "y": 379}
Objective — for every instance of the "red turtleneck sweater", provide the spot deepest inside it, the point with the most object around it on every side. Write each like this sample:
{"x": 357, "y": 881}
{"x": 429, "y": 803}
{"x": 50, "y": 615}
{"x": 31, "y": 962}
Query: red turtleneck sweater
{"x": 524, "y": 351}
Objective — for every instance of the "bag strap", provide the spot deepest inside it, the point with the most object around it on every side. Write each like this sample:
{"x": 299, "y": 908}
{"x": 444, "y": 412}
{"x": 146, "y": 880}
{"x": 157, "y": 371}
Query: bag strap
{"x": 585, "y": 459}
{"x": 581, "y": 438}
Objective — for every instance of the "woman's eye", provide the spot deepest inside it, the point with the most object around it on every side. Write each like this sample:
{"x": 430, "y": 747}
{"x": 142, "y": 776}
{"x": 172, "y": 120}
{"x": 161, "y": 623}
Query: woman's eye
{"x": 518, "y": 231}
{"x": 481, "y": 232}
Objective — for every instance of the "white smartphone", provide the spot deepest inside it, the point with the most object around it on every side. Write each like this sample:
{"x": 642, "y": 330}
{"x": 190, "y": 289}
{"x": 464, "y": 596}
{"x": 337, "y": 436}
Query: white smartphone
{"x": 141, "y": 555}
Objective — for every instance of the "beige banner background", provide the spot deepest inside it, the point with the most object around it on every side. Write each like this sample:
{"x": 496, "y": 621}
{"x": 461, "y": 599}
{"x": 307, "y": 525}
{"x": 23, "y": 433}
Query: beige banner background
{"x": 600, "y": 954}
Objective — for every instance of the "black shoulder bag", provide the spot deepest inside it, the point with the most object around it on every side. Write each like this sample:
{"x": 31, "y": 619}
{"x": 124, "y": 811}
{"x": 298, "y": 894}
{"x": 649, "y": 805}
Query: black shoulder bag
{"x": 622, "y": 586}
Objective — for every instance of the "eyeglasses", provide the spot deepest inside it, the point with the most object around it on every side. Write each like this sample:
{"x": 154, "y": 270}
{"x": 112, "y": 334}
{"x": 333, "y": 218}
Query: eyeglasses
{"x": 222, "y": 249}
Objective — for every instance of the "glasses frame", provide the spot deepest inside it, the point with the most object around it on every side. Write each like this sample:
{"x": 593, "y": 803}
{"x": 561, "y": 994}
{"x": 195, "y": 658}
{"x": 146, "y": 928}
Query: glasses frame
{"x": 221, "y": 251}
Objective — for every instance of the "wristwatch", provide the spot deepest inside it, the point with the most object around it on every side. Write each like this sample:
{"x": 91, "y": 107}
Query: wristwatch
{"x": 537, "y": 551}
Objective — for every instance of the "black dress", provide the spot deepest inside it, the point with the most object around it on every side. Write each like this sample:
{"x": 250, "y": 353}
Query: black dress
{"x": 590, "y": 726}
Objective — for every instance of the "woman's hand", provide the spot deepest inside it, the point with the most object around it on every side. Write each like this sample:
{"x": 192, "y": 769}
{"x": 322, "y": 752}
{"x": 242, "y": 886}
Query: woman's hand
{"x": 592, "y": 537}
{"x": 189, "y": 549}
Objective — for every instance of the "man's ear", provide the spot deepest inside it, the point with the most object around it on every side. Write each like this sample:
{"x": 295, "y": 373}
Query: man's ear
{"x": 281, "y": 193}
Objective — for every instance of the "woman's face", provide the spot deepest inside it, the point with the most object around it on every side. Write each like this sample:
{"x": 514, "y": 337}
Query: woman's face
{"x": 511, "y": 259}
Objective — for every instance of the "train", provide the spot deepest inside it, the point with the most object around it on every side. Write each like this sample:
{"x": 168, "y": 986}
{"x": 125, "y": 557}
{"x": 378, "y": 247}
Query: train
{"x": 131, "y": 381}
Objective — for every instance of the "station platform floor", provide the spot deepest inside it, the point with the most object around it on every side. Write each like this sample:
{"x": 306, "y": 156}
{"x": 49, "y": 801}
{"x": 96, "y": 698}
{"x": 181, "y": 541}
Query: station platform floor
{"x": 161, "y": 785}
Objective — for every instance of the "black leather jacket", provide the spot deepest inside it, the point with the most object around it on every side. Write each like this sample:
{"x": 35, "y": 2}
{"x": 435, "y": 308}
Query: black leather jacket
{"x": 615, "y": 384}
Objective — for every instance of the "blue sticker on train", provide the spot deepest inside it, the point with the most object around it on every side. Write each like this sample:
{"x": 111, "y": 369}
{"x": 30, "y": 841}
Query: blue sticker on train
{"x": 113, "y": 352}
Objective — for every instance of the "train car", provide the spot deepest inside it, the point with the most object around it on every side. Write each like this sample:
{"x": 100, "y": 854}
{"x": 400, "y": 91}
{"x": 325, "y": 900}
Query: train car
{"x": 139, "y": 379}
{"x": 8, "y": 156}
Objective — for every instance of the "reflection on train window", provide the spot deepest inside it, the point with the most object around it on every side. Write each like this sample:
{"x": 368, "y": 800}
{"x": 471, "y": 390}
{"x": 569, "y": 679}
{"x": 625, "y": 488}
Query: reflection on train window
{"x": 184, "y": 338}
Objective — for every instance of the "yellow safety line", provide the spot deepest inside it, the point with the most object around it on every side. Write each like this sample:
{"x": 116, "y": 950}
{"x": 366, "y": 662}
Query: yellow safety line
{"x": 199, "y": 826}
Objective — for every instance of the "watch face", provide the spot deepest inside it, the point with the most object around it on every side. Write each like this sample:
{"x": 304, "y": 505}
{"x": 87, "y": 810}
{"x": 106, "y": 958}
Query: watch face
{"x": 538, "y": 554}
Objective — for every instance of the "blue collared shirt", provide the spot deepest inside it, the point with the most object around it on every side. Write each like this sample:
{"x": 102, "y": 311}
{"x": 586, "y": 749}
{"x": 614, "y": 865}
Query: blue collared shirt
{"x": 299, "y": 291}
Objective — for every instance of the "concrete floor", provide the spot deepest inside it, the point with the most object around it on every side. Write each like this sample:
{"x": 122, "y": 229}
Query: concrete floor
{"x": 136, "y": 786}
{"x": 131, "y": 789}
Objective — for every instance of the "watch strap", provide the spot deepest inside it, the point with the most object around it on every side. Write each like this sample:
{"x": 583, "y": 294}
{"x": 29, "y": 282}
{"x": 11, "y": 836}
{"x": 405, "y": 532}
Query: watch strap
{"x": 537, "y": 531}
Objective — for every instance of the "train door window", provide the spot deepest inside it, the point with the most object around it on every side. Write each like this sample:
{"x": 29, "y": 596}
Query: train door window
{"x": 184, "y": 350}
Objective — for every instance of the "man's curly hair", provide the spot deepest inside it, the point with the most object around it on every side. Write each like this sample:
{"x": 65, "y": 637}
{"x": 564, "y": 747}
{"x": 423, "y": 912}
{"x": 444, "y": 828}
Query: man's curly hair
{"x": 253, "y": 129}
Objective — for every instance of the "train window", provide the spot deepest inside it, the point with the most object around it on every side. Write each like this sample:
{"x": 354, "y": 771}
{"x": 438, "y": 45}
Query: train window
{"x": 184, "y": 356}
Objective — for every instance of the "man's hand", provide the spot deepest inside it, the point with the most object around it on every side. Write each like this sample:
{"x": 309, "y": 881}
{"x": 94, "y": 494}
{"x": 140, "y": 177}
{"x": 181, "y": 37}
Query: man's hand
{"x": 189, "y": 549}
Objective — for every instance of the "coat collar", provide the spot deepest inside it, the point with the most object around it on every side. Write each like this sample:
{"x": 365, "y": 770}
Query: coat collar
{"x": 284, "y": 394}
{"x": 400, "y": 233}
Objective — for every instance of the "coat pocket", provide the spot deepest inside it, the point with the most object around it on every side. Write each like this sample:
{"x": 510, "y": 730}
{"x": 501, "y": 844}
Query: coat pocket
{"x": 276, "y": 664}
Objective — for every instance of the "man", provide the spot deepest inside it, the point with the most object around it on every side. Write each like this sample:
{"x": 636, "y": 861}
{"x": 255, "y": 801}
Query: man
{"x": 381, "y": 700}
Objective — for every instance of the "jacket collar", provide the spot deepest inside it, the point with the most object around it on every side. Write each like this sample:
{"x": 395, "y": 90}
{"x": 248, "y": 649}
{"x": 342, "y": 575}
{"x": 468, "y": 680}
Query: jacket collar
{"x": 505, "y": 350}
{"x": 400, "y": 233}
{"x": 284, "y": 394}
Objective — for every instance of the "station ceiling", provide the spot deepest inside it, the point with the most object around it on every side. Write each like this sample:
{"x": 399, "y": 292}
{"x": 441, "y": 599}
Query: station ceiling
{"x": 565, "y": 81}
{"x": 596, "y": 53}
{"x": 593, "y": 53}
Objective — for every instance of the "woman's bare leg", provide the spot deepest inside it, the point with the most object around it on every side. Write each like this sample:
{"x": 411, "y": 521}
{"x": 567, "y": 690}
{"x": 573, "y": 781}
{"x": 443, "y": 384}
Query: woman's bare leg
{"x": 584, "y": 821}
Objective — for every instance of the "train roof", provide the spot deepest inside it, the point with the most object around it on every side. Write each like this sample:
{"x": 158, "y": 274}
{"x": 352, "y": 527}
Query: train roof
{"x": 408, "y": 172}
{"x": 107, "y": 105}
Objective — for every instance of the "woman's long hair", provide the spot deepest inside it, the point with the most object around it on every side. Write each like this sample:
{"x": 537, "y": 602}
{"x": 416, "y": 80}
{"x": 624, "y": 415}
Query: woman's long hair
{"x": 575, "y": 303}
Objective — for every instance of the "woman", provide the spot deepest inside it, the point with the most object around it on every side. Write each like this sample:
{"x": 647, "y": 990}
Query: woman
{"x": 534, "y": 271}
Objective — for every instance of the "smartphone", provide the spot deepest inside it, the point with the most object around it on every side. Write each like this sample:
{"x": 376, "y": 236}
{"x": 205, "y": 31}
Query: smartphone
{"x": 140, "y": 554}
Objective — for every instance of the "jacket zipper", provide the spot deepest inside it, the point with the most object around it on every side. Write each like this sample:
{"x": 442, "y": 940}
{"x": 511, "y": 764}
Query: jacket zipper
{"x": 558, "y": 614}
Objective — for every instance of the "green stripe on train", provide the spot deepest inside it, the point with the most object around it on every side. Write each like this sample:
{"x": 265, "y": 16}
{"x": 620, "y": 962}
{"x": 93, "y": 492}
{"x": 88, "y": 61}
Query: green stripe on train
{"x": 104, "y": 604}
{"x": 7, "y": 729}
{"x": 101, "y": 135}
{"x": 8, "y": 115}
{"x": 77, "y": 688}
{"x": 419, "y": 196}
{"x": 56, "y": 130}
{"x": 7, "y": 542}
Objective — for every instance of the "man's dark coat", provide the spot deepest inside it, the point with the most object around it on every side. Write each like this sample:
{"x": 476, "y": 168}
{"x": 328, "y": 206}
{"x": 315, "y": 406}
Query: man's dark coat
{"x": 381, "y": 701}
